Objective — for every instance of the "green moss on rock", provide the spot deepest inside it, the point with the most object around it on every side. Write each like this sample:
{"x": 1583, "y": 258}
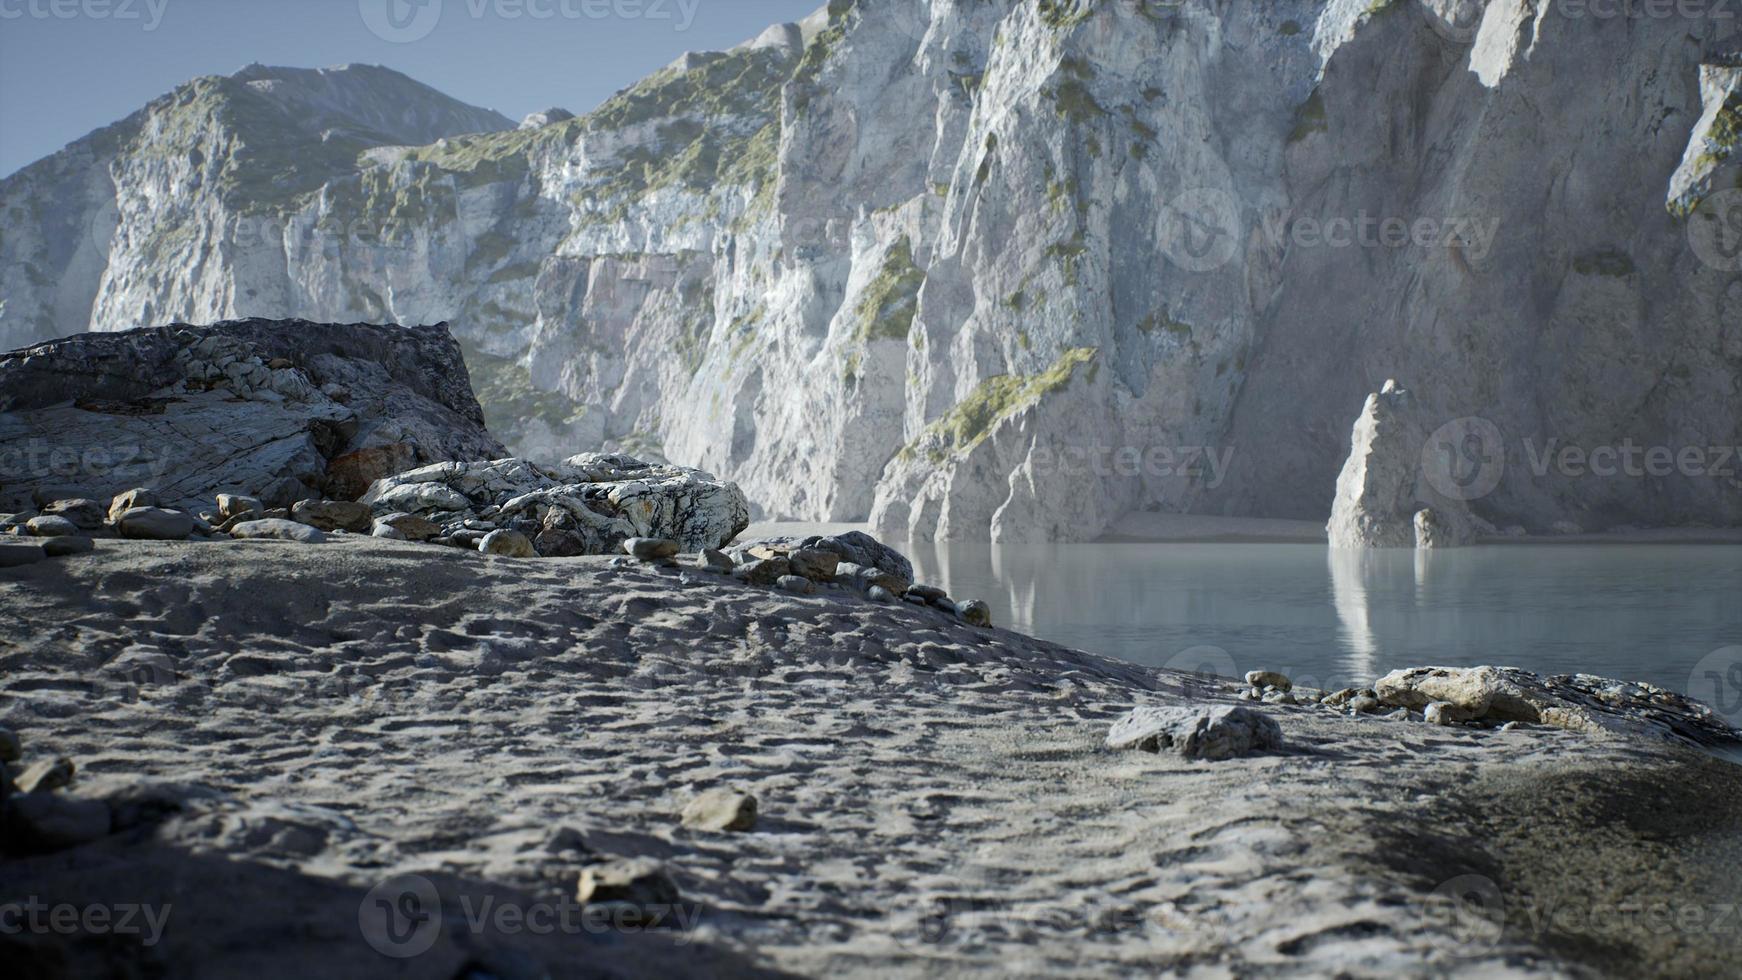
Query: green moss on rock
{"x": 995, "y": 399}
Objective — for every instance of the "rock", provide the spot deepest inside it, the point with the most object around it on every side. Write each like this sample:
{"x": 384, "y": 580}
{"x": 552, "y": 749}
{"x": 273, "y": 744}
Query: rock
{"x": 796, "y": 584}
{"x": 1221, "y": 732}
{"x": 815, "y": 564}
{"x": 1340, "y": 698}
{"x": 19, "y": 555}
{"x": 879, "y": 594}
{"x": 857, "y": 548}
{"x": 764, "y": 572}
{"x": 153, "y": 407}
{"x": 547, "y": 117}
{"x": 235, "y": 506}
{"x": 976, "y": 612}
{"x": 154, "y": 524}
{"x": 50, "y": 527}
{"x": 1392, "y": 474}
{"x": 46, "y": 823}
{"x": 386, "y": 532}
{"x": 1262, "y": 679}
{"x": 88, "y": 515}
{"x": 334, "y": 515}
{"x": 640, "y": 882}
{"x": 65, "y": 547}
{"x": 410, "y": 526}
{"x": 717, "y": 561}
{"x": 1364, "y": 705}
{"x": 11, "y": 747}
{"x": 504, "y": 543}
{"x": 1444, "y": 713}
{"x": 46, "y": 776}
{"x": 1431, "y": 532}
{"x": 721, "y": 810}
{"x": 278, "y": 530}
{"x": 926, "y": 593}
{"x": 651, "y": 549}
{"x": 128, "y": 500}
{"x": 601, "y": 501}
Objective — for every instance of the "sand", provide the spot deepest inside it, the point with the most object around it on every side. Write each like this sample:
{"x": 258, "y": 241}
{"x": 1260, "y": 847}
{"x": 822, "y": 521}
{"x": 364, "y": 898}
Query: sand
{"x": 935, "y": 799}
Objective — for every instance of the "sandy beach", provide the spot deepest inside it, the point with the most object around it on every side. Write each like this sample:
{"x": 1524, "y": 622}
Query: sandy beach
{"x": 309, "y": 723}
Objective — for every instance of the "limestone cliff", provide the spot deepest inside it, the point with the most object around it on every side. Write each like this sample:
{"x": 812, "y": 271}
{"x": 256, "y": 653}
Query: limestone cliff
{"x": 987, "y": 267}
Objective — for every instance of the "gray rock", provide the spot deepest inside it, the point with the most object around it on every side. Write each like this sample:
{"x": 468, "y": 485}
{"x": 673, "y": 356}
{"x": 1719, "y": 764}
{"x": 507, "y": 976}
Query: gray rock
{"x": 46, "y": 776}
{"x": 19, "y": 555}
{"x": 410, "y": 526}
{"x": 11, "y": 747}
{"x": 640, "y": 882}
{"x": 386, "y": 532}
{"x": 504, "y": 543}
{"x": 154, "y": 524}
{"x": 129, "y": 499}
{"x": 47, "y": 823}
{"x": 1444, "y": 713}
{"x": 50, "y": 527}
{"x": 88, "y": 515}
{"x": 278, "y": 530}
{"x": 65, "y": 547}
{"x": 1364, "y": 705}
{"x": 651, "y": 549}
{"x": 815, "y": 564}
{"x": 1391, "y": 493}
{"x": 1262, "y": 679}
{"x": 854, "y": 548}
{"x": 763, "y": 571}
{"x": 334, "y": 515}
{"x": 235, "y": 506}
{"x": 721, "y": 810}
{"x": 1220, "y": 732}
{"x": 796, "y": 584}
{"x": 976, "y": 612}
{"x": 878, "y": 593}
{"x": 927, "y": 593}
{"x": 718, "y": 561}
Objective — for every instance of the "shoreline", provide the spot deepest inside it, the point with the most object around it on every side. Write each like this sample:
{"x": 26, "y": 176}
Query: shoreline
{"x": 932, "y": 797}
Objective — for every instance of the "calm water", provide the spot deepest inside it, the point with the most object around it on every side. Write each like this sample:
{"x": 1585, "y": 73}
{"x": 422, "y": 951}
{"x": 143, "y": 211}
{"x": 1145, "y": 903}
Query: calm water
{"x": 1663, "y": 614}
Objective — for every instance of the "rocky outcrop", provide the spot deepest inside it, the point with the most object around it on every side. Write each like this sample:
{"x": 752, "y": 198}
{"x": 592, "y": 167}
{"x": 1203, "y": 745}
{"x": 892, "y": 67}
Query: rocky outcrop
{"x": 1401, "y": 486}
{"x": 588, "y": 505}
{"x": 1576, "y": 702}
{"x": 988, "y": 267}
{"x": 279, "y": 410}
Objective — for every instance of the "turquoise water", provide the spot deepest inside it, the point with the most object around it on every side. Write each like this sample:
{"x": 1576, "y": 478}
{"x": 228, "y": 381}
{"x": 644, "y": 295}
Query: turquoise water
{"x": 1667, "y": 614}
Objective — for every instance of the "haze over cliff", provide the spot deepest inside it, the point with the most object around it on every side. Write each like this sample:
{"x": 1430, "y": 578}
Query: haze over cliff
{"x": 979, "y": 268}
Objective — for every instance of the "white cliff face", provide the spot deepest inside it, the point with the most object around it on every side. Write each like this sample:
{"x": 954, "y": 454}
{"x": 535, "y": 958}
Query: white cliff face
{"x": 978, "y": 268}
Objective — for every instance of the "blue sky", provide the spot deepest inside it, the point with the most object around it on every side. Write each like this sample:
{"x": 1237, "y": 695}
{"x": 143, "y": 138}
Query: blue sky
{"x": 70, "y": 66}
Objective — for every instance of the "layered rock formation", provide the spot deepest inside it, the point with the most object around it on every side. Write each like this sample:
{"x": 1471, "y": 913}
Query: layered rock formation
{"x": 994, "y": 268}
{"x": 279, "y": 410}
{"x": 1405, "y": 486}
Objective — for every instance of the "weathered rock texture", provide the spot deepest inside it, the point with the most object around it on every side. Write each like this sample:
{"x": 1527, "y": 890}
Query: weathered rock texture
{"x": 279, "y": 410}
{"x": 942, "y": 262}
{"x": 1397, "y": 489}
{"x": 588, "y": 505}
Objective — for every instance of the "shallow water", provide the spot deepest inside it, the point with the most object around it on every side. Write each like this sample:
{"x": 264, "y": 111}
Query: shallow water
{"x": 1670, "y": 615}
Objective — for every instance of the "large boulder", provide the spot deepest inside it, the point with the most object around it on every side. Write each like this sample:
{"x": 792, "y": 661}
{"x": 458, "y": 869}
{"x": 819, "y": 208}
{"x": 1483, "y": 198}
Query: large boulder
{"x": 1397, "y": 488}
{"x": 280, "y": 410}
{"x": 587, "y": 505}
{"x": 1577, "y": 702}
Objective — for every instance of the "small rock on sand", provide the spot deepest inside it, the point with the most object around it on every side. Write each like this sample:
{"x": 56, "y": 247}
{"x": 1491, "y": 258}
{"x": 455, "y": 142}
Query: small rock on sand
{"x": 504, "y": 543}
{"x": 154, "y": 524}
{"x": 721, "y": 810}
{"x": 334, "y": 515}
{"x": 717, "y": 561}
{"x": 46, "y": 776}
{"x": 278, "y": 530}
{"x": 232, "y": 506}
{"x": 814, "y": 564}
{"x": 640, "y": 882}
{"x": 796, "y": 584}
{"x": 124, "y": 502}
{"x": 1445, "y": 713}
{"x": 878, "y": 593}
{"x": 1262, "y": 679}
{"x": 651, "y": 549}
{"x": 16, "y": 555}
{"x": 87, "y": 514}
{"x": 72, "y": 544}
{"x": 975, "y": 612}
{"x": 414, "y": 528}
{"x": 1221, "y": 732}
{"x": 50, "y": 527}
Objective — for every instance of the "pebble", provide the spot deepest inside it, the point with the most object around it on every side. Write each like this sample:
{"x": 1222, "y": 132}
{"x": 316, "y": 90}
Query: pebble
{"x": 1262, "y": 679}
{"x": 137, "y": 497}
{"x": 232, "y": 506}
{"x": 796, "y": 584}
{"x": 717, "y": 561}
{"x": 154, "y": 524}
{"x": 50, "y": 527}
{"x": 651, "y": 549}
{"x": 878, "y": 593}
{"x": 721, "y": 810}
{"x": 976, "y": 612}
{"x": 507, "y": 544}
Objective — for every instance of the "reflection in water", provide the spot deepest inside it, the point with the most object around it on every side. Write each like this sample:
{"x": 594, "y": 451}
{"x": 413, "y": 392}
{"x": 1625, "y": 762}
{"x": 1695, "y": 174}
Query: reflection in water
{"x": 1643, "y": 612}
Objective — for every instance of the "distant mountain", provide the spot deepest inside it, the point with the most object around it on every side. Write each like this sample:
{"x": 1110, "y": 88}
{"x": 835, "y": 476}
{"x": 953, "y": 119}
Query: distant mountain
{"x": 993, "y": 268}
